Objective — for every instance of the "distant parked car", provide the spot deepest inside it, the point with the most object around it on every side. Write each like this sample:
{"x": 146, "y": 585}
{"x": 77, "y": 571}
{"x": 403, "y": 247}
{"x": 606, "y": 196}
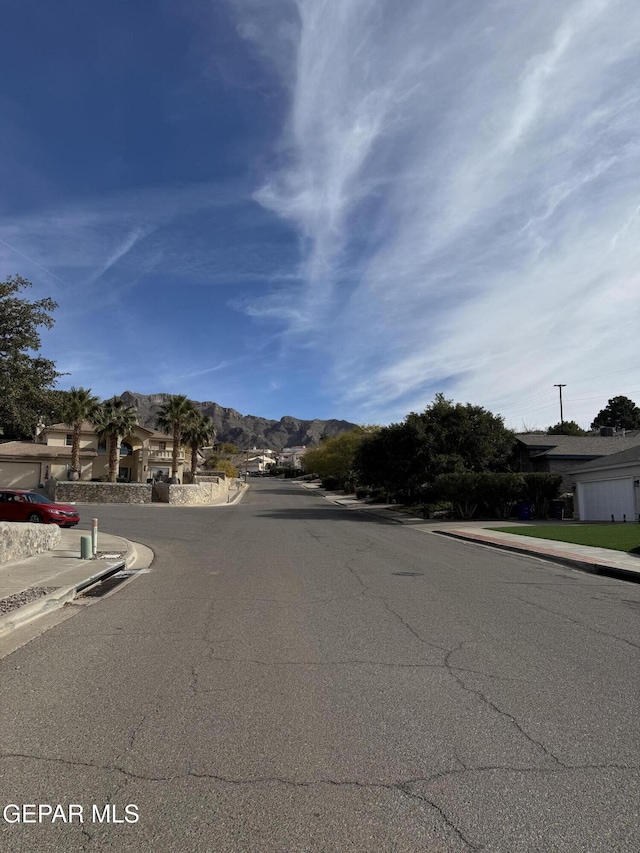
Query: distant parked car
{"x": 21, "y": 505}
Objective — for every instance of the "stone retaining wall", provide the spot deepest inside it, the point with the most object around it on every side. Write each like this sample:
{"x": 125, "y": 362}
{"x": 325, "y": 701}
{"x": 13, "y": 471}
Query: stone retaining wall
{"x": 67, "y": 491}
{"x": 20, "y": 540}
{"x": 190, "y": 495}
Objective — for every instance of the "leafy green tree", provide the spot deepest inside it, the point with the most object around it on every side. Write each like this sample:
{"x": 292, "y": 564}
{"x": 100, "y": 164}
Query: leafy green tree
{"x": 395, "y": 457}
{"x": 114, "y": 420}
{"x": 225, "y": 448}
{"x": 620, "y": 413}
{"x": 566, "y": 428}
{"x": 467, "y": 437}
{"x": 198, "y": 431}
{"x": 25, "y": 379}
{"x": 173, "y": 418}
{"x": 225, "y": 465}
{"x": 80, "y": 405}
{"x": 445, "y": 438}
{"x": 335, "y": 457}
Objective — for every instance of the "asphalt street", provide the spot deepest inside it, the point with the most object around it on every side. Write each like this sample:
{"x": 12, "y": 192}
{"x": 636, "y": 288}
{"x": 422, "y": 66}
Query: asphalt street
{"x": 293, "y": 676}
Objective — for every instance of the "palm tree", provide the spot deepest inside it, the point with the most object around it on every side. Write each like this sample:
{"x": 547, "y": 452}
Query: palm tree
{"x": 173, "y": 418}
{"x": 198, "y": 432}
{"x": 114, "y": 420}
{"x": 80, "y": 405}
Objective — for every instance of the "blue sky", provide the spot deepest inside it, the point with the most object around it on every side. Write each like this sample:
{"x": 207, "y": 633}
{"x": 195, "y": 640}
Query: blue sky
{"x": 330, "y": 208}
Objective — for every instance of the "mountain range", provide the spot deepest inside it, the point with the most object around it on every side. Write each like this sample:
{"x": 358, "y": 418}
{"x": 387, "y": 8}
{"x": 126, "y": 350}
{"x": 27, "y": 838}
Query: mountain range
{"x": 245, "y": 431}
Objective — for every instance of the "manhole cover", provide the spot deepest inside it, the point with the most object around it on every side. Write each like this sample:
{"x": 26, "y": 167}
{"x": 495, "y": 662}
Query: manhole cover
{"x": 408, "y": 574}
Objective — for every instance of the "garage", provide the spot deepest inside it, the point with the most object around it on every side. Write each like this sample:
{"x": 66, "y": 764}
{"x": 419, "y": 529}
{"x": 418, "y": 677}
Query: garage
{"x": 19, "y": 475}
{"x": 600, "y": 499}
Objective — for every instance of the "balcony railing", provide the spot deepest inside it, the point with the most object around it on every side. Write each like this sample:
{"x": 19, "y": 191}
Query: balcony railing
{"x": 164, "y": 454}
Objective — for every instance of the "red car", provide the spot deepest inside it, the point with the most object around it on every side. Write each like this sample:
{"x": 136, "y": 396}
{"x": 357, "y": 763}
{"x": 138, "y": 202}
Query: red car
{"x": 20, "y": 505}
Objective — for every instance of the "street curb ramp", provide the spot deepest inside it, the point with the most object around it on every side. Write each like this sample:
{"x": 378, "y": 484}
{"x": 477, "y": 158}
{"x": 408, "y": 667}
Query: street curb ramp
{"x": 54, "y": 600}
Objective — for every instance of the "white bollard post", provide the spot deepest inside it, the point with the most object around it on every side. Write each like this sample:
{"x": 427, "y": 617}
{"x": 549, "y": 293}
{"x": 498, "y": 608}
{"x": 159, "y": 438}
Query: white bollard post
{"x": 94, "y": 536}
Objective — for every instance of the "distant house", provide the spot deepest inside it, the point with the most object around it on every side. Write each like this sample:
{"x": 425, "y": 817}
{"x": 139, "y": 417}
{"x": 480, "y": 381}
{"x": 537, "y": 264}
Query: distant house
{"x": 255, "y": 461}
{"x": 560, "y": 454}
{"x": 143, "y": 454}
{"x": 291, "y": 457}
{"x": 608, "y": 487}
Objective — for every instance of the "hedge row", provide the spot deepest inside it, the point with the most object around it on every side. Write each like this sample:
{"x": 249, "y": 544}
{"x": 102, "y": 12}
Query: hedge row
{"x": 498, "y": 494}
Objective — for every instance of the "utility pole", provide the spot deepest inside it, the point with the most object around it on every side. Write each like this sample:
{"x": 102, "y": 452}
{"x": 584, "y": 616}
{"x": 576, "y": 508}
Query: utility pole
{"x": 560, "y": 387}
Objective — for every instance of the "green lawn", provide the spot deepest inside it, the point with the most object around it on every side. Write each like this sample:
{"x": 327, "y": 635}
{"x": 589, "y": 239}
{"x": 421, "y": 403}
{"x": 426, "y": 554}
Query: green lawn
{"x": 619, "y": 537}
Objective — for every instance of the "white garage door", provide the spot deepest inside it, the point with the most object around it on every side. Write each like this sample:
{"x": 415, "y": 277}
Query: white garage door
{"x": 601, "y": 499}
{"x": 19, "y": 475}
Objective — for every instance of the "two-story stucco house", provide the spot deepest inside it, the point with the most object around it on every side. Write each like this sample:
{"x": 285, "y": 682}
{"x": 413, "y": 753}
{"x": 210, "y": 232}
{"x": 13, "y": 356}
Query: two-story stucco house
{"x": 145, "y": 454}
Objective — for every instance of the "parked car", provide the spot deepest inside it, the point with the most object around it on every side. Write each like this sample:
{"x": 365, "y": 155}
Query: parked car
{"x": 21, "y": 505}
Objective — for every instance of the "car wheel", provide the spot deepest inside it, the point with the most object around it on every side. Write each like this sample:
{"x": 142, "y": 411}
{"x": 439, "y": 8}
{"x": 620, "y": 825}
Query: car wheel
{"x": 34, "y": 518}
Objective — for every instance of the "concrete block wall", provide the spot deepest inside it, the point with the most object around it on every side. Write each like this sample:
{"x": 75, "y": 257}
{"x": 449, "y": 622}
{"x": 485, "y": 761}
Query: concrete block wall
{"x": 19, "y": 540}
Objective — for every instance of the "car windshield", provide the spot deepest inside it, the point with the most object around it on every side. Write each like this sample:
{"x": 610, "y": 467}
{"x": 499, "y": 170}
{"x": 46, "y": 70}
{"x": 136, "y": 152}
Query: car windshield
{"x": 38, "y": 499}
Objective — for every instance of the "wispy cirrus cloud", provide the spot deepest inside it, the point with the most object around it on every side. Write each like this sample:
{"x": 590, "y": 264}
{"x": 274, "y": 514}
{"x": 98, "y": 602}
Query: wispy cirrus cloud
{"x": 464, "y": 181}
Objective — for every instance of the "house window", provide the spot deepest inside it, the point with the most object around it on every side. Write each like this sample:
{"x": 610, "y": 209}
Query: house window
{"x": 69, "y": 439}
{"x": 102, "y": 445}
{"x": 126, "y": 449}
{"x": 162, "y": 445}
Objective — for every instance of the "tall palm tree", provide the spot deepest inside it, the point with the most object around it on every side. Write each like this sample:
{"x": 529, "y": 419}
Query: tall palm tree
{"x": 80, "y": 405}
{"x": 114, "y": 420}
{"x": 199, "y": 431}
{"x": 173, "y": 418}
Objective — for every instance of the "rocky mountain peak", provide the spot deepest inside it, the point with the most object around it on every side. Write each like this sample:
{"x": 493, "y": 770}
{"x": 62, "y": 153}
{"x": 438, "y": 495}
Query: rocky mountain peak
{"x": 245, "y": 431}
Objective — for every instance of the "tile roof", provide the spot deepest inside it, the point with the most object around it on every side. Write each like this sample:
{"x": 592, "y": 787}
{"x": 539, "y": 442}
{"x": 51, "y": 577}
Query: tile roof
{"x": 15, "y": 449}
{"x": 87, "y": 426}
{"x": 156, "y": 433}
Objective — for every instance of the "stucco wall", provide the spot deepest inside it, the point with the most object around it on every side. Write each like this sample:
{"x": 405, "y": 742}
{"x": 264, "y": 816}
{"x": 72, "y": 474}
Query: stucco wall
{"x": 20, "y": 540}
{"x": 100, "y": 493}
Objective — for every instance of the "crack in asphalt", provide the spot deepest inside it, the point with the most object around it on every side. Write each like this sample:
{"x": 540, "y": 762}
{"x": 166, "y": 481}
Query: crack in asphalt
{"x": 308, "y": 783}
{"x": 505, "y": 714}
{"x": 88, "y": 835}
{"x": 445, "y": 817}
{"x": 329, "y": 663}
{"x": 402, "y": 787}
{"x": 490, "y": 675}
{"x": 580, "y": 624}
{"x": 193, "y": 684}
{"x": 410, "y": 628}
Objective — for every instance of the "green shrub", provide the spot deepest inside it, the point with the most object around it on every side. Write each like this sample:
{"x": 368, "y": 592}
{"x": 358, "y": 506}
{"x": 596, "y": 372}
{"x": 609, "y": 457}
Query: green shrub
{"x": 332, "y": 484}
{"x": 501, "y": 492}
{"x": 541, "y": 488}
{"x": 462, "y": 490}
{"x": 438, "y": 509}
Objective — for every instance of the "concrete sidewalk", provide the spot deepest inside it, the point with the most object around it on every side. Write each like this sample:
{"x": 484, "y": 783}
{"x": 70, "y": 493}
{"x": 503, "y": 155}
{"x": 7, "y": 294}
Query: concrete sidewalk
{"x": 42, "y": 583}
{"x": 577, "y": 556}
{"x": 45, "y": 582}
